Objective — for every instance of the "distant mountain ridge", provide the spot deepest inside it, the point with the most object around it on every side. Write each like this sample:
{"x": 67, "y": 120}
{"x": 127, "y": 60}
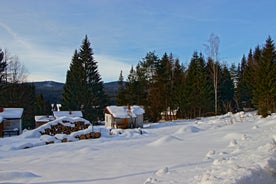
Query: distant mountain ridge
{"x": 52, "y": 90}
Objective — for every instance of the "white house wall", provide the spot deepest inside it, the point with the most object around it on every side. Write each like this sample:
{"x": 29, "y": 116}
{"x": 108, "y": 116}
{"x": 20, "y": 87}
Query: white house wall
{"x": 108, "y": 120}
{"x": 139, "y": 121}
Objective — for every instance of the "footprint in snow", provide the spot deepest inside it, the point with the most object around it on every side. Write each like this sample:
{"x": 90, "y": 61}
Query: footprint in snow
{"x": 233, "y": 143}
{"x": 150, "y": 180}
{"x": 244, "y": 137}
{"x": 162, "y": 171}
{"x": 210, "y": 154}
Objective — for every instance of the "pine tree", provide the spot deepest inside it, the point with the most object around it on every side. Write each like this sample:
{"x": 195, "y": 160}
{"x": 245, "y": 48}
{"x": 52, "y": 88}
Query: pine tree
{"x": 74, "y": 87}
{"x": 242, "y": 90}
{"x": 97, "y": 99}
{"x": 210, "y": 108}
{"x": 144, "y": 74}
{"x": 39, "y": 101}
{"x": 47, "y": 107}
{"x": 196, "y": 86}
{"x": 178, "y": 95}
{"x": 121, "y": 96}
{"x": 131, "y": 87}
{"x": 84, "y": 89}
{"x": 160, "y": 89}
{"x": 226, "y": 91}
{"x": 264, "y": 93}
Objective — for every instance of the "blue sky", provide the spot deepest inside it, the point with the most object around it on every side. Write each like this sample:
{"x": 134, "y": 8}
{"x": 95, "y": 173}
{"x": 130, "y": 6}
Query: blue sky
{"x": 44, "y": 34}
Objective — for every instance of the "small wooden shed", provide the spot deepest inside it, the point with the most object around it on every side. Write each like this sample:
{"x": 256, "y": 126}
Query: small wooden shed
{"x": 10, "y": 121}
{"x": 124, "y": 116}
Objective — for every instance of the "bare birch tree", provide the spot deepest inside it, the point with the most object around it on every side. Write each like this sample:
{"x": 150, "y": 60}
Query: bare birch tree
{"x": 17, "y": 72}
{"x": 212, "y": 51}
{"x": 14, "y": 72}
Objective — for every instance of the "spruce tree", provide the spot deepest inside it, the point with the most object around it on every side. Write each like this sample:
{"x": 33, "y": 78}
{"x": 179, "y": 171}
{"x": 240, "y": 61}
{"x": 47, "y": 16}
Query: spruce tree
{"x": 178, "y": 95}
{"x": 131, "y": 87}
{"x": 84, "y": 89}
{"x": 264, "y": 93}
{"x": 39, "y": 102}
{"x": 144, "y": 73}
{"x": 74, "y": 87}
{"x": 210, "y": 108}
{"x": 121, "y": 96}
{"x": 196, "y": 86}
{"x": 226, "y": 91}
{"x": 160, "y": 88}
{"x": 96, "y": 99}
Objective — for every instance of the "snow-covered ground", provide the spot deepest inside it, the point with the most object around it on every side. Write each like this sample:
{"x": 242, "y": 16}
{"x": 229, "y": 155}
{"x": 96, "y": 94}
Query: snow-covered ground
{"x": 233, "y": 148}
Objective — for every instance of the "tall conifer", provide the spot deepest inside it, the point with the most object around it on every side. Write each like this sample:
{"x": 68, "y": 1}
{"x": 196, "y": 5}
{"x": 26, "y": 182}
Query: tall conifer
{"x": 264, "y": 93}
{"x": 84, "y": 89}
{"x": 226, "y": 91}
{"x": 196, "y": 86}
{"x": 121, "y": 95}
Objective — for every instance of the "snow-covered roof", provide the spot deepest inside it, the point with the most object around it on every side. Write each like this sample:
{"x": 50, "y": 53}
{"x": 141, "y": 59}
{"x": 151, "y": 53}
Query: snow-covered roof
{"x": 62, "y": 120}
{"x": 44, "y": 118}
{"x": 58, "y": 114}
{"x": 11, "y": 113}
{"x": 125, "y": 111}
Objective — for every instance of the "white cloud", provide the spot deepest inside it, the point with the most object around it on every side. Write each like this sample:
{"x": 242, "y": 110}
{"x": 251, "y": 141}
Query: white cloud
{"x": 52, "y": 62}
{"x": 110, "y": 67}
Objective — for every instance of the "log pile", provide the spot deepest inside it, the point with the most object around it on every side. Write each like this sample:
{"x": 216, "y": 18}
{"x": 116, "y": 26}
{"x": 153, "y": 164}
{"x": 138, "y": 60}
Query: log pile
{"x": 91, "y": 135}
{"x": 67, "y": 128}
{"x": 1, "y": 129}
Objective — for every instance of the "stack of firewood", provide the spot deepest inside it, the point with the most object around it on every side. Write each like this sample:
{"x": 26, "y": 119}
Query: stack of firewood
{"x": 68, "y": 128}
{"x": 1, "y": 129}
{"x": 91, "y": 135}
{"x": 65, "y": 128}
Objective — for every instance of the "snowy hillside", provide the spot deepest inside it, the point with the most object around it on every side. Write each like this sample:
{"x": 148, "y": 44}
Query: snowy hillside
{"x": 239, "y": 148}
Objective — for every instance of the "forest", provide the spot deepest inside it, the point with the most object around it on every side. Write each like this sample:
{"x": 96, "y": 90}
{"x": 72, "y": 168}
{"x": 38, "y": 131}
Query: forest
{"x": 160, "y": 84}
{"x": 205, "y": 87}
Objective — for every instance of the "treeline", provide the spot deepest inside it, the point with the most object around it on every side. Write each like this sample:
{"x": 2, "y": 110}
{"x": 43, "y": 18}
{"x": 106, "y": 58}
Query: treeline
{"x": 205, "y": 87}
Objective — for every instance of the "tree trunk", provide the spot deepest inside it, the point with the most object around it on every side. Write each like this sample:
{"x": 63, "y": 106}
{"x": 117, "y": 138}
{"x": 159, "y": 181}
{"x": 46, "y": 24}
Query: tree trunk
{"x": 215, "y": 77}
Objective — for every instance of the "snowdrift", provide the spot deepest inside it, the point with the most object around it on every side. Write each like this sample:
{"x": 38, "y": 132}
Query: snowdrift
{"x": 232, "y": 148}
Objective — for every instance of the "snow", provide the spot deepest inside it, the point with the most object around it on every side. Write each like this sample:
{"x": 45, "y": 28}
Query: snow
{"x": 58, "y": 114}
{"x": 233, "y": 148}
{"x": 11, "y": 113}
{"x": 122, "y": 111}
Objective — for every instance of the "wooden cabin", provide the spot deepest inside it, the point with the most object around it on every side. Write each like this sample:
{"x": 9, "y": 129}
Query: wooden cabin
{"x": 124, "y": 116}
